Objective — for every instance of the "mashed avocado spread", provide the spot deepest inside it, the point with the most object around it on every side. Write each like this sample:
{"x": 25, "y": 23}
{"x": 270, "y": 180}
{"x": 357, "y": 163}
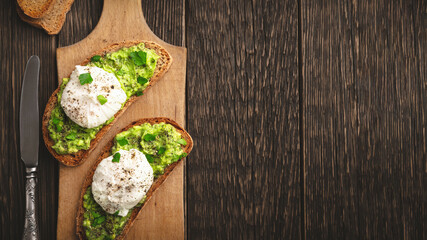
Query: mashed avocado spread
{"x": 134, "y": 77}
{"x": 161, "y": 144}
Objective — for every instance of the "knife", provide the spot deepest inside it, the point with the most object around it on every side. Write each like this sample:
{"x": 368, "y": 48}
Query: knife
{"x": 29, "y": 142}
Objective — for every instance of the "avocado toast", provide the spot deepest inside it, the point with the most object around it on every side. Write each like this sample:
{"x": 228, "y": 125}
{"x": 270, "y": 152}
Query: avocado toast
{"x": 59, "y": 130}
{"x": 163, "y": 142}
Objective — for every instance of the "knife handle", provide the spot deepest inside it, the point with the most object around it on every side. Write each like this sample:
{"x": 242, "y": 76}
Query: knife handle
{"x": 31, "y": 229}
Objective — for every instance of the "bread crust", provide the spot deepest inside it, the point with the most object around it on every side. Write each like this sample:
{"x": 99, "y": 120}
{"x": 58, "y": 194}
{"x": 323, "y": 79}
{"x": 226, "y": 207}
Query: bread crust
{"x": 157, "y": 183}
{"x": 162, "y": 66}
{"x": 53, "y": 19}
{"x": 36, "y": 10}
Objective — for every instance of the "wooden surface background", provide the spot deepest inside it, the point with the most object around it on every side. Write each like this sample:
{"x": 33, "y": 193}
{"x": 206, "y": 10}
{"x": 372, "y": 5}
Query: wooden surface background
{"x": 309, "y": 117}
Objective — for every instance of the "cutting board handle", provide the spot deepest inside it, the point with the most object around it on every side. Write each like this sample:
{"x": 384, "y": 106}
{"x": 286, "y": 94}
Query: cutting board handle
{"x": 122, "y": 17}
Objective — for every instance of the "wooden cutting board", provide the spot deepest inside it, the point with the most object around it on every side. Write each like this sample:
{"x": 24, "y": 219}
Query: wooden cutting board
{"x": 163, "y": 215}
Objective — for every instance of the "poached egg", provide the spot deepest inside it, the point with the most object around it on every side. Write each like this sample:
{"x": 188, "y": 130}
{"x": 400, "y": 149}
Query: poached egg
{"x": 81, "y": 102}
{"x": 119, "y": 186}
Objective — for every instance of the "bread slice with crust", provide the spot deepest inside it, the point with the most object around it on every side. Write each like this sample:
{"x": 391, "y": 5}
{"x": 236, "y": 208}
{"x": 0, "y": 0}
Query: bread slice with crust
{"x": 36, "y": 8}
{"x": 106, "y": 152}
{"x": 163, "y": 64}
{"x": 53, "y": 20}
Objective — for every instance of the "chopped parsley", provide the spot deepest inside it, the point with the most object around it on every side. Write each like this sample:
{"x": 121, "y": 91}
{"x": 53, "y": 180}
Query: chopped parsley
{"x": 150, "y": 158}
{"x": 149, "y": 137}
{"x": 139, "y": 58}
{"x": 85, "y": 78}
{"x": 95, "y": 58}
{"x": 101, "y": 99}
{"x": 161, "y": 150}
{"x": 71, "y": 136}
{"x": 182, "y": 141}
{"x": 116, "y": 157}
{"x": 122, "y": 141}
{"x": 142, "y": 80}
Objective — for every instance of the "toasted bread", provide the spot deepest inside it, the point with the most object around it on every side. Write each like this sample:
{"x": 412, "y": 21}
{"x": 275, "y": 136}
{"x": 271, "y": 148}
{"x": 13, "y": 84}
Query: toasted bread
{"x": 107, "y": 152}
{"x": 36, "y": 8}
{"x": 162, "y": 66}
{"x": 53, "y": 20}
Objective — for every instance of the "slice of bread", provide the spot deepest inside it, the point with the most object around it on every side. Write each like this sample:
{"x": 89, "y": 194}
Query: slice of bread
{"x": 157, "y": 183}
{"x": 36, "y": 8}
{"x": 162, "y": 66}
{"x": 53, "y": 20}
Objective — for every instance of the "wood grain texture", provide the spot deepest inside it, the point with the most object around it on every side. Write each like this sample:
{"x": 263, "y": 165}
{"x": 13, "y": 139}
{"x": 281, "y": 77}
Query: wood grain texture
{"x": 414, "y": 193}
{"x": 364, "y": 105}
{"x": 364, "y": 125}
{"x": 243, "y": 114}
{"x": 164, "y": 17}
{"x": 80, "y": 21}
{"x": 18, "y": 41}
{"x": 123, "y": 21}
{"x": 276, "y": 130}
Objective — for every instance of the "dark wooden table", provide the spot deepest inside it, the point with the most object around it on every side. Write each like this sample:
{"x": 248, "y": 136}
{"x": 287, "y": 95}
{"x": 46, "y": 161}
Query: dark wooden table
{"x": 309, "y": 117}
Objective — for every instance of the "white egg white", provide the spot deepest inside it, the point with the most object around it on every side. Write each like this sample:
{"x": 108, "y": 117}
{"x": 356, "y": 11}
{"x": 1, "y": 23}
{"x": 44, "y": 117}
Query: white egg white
{"x": 81, "y": 103}
{"x": 119, "y": 186}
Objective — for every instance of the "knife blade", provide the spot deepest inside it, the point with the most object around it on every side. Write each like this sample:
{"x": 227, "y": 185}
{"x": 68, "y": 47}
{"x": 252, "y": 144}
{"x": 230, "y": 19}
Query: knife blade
{"x": 29, "y": 113}
{"x": 29, "y": 142}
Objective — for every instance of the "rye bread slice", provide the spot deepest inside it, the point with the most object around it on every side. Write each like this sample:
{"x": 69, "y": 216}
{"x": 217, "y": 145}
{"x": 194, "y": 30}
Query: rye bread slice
{"x": 35, "y": 8}
{"x": 53, "y": 20}
{"x": 75, "y": 159}
{"x": 156, "y": 184}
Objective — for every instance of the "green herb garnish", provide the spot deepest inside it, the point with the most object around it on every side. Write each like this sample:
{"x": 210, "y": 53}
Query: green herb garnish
{"x": 139, "y": 93}
{"x": 95, "y": 214}
{"x": 177, "y": 157}
{"x": 143, "y": 56}
{"x": 150, "y": 158}
{"x": 120, "y": 72}
{"x": 71, "y": 136}
{"x": 161, "y": 150}
{"x": 139, "y": 58}
{"x": 122, "y": 141}
{"x": 149, "y": 137}
{"x": 182, "y": 141}
{"x": 116, "y": 157}
{"x": 55, "y": 120}
{"x": 101, "y": 99}
{"x": 116, "y": 213}
{"x": 142, "y": 80}
{"x": 99, "y": 220}
{"x": 95, "y": 58}
{"x": 85, "y": 78}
